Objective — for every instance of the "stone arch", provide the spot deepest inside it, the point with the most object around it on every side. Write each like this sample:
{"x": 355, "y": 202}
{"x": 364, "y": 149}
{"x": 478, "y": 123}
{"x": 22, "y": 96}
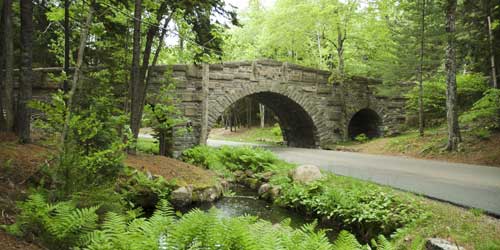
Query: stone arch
{"x": 365, "y": 121}
{"x": 299, "y": 124}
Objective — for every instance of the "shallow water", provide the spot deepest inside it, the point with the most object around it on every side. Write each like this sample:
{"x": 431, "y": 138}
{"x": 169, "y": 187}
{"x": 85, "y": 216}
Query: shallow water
{"x": 246, "y": 202}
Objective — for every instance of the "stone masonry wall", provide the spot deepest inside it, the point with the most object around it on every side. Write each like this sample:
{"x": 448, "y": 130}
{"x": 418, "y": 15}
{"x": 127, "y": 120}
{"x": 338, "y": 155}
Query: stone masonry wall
{"x": 311, "y": 111}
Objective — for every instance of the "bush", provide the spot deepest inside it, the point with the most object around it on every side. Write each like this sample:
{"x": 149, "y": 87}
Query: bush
{"x": 470, "y": 88}
{"x": 276, "y": 130}
{"x": 233, "y": 158}
{"x": 361, "y": 138}
{"x": 485, "y": 113}
{"x": 202, "y": 156}
{"x": 92, "y": 154}
{"x": 366, "y": 209}
{"x": 58, "y": 225}
{"x": 140, "y": 191}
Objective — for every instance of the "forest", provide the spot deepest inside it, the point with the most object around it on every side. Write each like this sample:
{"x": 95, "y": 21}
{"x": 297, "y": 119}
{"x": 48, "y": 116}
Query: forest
{"x": 99, "y": 148}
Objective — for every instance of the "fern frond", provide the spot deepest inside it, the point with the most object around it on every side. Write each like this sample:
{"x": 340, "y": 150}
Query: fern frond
{"x": 346, "y": 241}
{"x": 383, "y": 244}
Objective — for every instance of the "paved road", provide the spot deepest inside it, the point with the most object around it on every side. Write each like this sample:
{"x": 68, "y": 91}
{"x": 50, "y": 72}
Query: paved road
{"x": 462, "y": 184}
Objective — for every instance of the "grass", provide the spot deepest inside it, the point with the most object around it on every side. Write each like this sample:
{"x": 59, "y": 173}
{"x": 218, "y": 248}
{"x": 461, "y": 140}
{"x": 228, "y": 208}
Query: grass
{"x": 468, "y": 228}
{"x": 473, "y": 150}
{"x": 147, "y": 145}
{"x": 265, "y": 135}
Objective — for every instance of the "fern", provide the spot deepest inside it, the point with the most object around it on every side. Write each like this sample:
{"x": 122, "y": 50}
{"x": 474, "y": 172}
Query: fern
{"x": 63, "y": 226}
{"x": 346, "y": 241}
{"x": 69, "y": 220}
{"x": 381, "y": 243}
{"x": 59, "y": 225}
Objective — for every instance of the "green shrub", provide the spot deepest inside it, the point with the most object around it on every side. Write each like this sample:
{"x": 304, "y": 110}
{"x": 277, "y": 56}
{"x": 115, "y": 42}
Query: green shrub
{"x": 485, "y": 113}
{"x": 366, "y": 209}
{"x": 234, "y": 158}
{"x": 470, "y": 88}
{"x": 243, "y": 158}
{"x": 148, "y": 146}
{"x": 93, "y": 150}
{"x": 202, "y": 156}
{"x": 361, "y": 138}
{"x": 58, "y": 225}
{"x": 276, "y": 130}
{"x": 162, "y": 114}
{"x": 139, "y": 190}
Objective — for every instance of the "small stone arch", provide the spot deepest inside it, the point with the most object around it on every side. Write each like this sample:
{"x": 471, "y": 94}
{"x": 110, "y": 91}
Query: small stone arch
{"x": 295, "y": 113}
{"x": 365, "y": 121}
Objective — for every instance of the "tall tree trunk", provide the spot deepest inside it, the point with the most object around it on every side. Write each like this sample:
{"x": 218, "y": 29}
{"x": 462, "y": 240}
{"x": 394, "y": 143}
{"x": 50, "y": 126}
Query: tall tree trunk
{"x": 2, "y": 63}
{"x": 25, "y": 88}
{"x": 165, "y": 138}
{"x": 340, "y": 50}
{"x": 420, "y": 77}
{"x": 135, "y": 100}
{"x": 145, "y": 76}
{"x": 492, "y": 54}
{"x": 158, "y": 50}
{"x": 9, "y": 66}
{"x": 66, "y": 44}
{"x": 451, "y": 82}
{"x": 318, "y": 38}
{"x": 76, "y": 74}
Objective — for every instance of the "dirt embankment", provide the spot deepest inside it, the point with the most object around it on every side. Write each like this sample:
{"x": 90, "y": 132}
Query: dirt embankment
{"x": 19, "y": 163}
{"x": 181, "y": 173}
{"x": 472, "y": 150}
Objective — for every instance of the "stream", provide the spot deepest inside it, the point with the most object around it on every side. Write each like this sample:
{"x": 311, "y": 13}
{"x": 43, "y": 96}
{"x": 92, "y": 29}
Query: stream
{"x": 245, "y": 201}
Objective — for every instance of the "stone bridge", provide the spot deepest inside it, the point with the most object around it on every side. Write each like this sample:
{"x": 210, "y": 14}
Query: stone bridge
{"x": 312, "y": 112}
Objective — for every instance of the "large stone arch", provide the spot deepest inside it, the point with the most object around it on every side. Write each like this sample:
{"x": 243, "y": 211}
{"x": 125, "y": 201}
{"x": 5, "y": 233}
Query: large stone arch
{"x": 366, "y": 121}
{"x": 314, "y": 110}
{"x": 300, "y": 126}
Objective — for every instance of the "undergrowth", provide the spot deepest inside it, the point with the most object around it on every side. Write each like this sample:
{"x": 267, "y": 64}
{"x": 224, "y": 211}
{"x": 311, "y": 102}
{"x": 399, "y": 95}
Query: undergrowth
{"x": 364, "y": 208}
{"x": 226, "y": 160}
{"x": 64, "y": 226}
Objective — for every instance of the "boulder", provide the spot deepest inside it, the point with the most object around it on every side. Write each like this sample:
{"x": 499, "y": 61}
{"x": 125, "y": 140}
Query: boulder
{"x": 182, "y": 196}
{"x": 264, "y": 188}
{"x": 274, "y": 192}
{"x": 208, "y": 194}
{"x": 306, "y": 174}
{"x": 266, "y": 177}
{"x": 441, "y": 244}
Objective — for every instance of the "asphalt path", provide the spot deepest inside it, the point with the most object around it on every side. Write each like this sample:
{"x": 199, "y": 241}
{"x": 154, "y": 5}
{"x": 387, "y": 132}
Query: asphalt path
{"x": 467, "y": 185}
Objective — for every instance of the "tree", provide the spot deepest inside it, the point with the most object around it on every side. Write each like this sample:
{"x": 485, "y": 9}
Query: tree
{"x": 492, "y": 54}
{"x": 451, "y": 82}
{"x": 144, "y": 77}
{"x": 135, "y": 83}
{"x": 25, "y": 88}
{"x": 2, "y": 61}
{"x": 195, "y": 13}
{"x": 76, "y": 75}
{"x": 67, "y": 35}
{"x": 420, "y": 81}
{"x": 8, "y": 52}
